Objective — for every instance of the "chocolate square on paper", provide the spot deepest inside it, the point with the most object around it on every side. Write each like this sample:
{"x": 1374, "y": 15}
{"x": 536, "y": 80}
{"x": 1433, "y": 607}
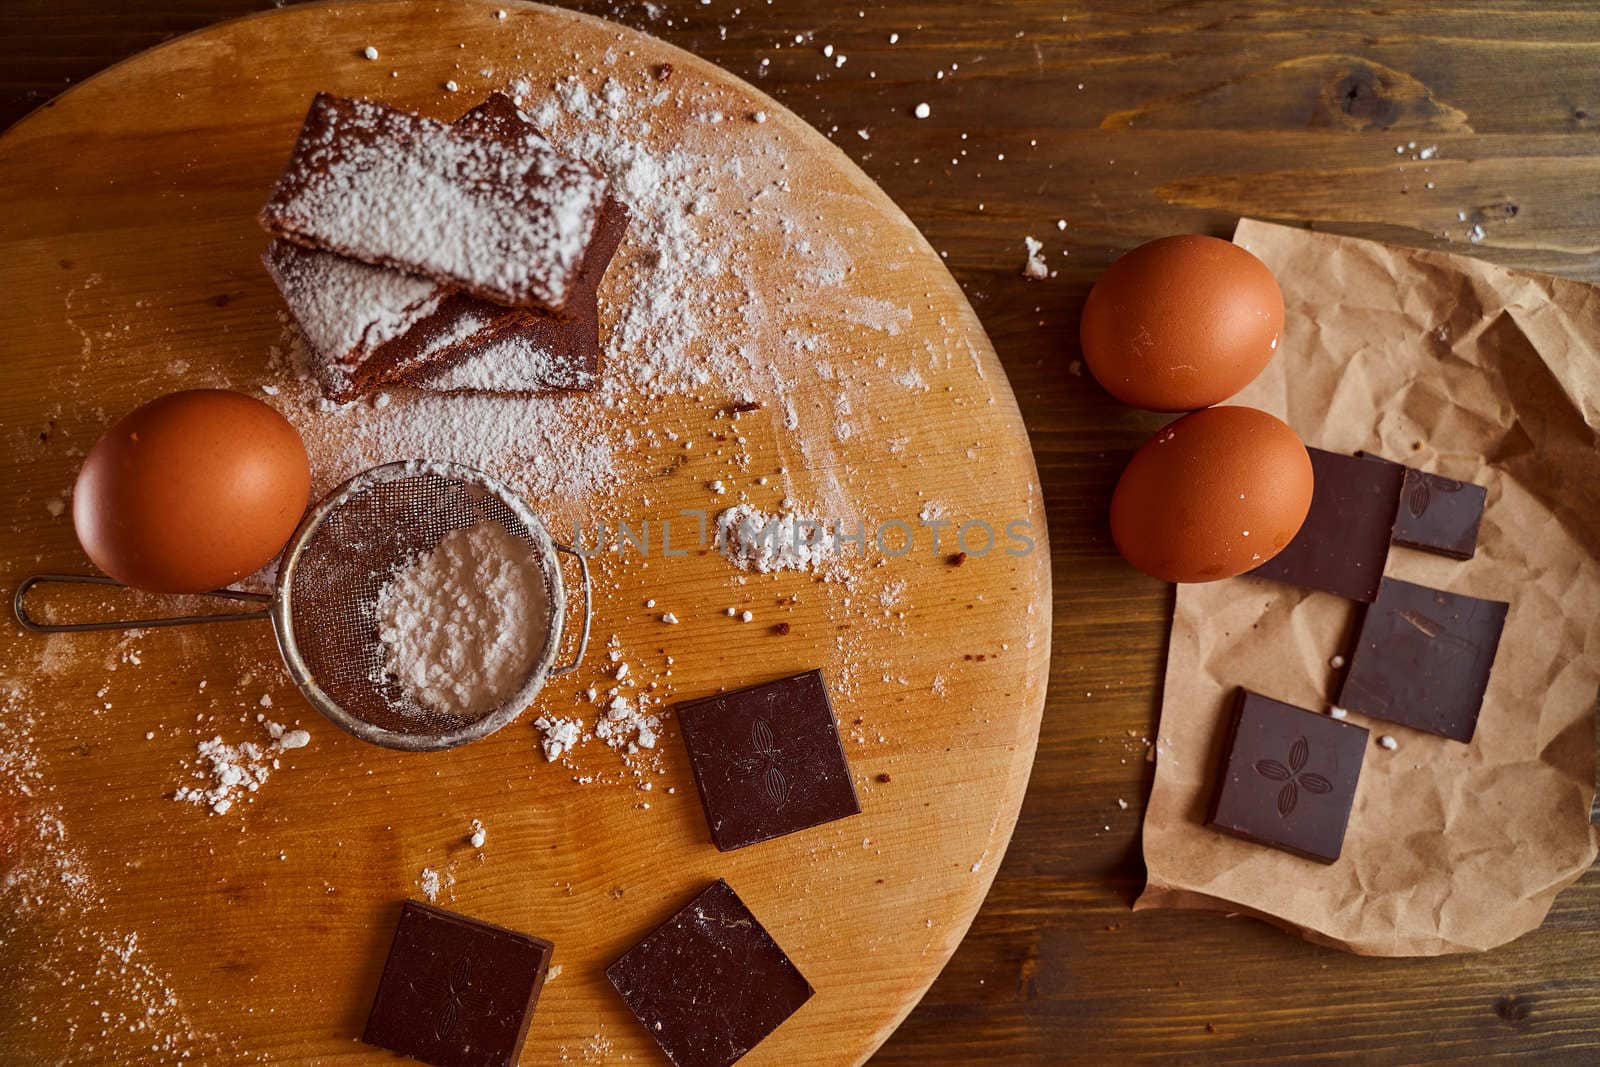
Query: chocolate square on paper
{"x": 767, "y": 760}
{"x": 1344, "y": 543}
{"x": 1422, "y": 659}
{"x": 1288, "y": 778}
{"x": 710, "y": 983}
{"x": 1437, "y": 514}
{"x": 456, "y": 992}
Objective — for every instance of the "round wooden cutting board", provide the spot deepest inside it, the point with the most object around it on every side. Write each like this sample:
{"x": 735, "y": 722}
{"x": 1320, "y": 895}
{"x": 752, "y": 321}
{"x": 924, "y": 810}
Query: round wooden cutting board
{"x": 779, "y": 335}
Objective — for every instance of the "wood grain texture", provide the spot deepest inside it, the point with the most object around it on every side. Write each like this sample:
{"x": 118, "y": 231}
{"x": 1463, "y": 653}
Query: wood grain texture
{"x": 875, "y": 396}
{"x": 1189, "y": 115}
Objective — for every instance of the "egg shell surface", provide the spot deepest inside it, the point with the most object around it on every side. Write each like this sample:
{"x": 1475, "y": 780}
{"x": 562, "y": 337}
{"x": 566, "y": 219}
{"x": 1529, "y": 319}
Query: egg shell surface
{"x": 1211, "y": 495}
{"x": 191, "y": 492}
{"x": 1181, "y": 323}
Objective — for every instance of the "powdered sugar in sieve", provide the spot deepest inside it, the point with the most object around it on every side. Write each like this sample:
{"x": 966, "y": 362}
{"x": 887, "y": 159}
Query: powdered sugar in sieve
{"x": 461, "y": 624}
{"x": 393, "y": 595}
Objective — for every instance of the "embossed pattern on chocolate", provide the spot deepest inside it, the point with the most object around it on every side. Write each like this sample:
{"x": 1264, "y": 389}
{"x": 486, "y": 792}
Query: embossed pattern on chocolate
{"x": 1437, "y": 514}
{"x": 456, "y": 992}
{"x": 1288, "y": 777}
{"x": 767, "y": 760}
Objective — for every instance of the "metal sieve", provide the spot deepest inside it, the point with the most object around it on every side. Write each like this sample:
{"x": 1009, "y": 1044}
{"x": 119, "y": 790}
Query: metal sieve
{"x": 323, "y": 608}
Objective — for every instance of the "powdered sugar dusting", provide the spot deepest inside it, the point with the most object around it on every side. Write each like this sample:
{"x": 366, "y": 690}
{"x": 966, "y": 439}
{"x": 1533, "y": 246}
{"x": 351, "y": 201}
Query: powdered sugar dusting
{"x": 324, "y": 291}
{"x": 508, "y": 365}
{"x": 549, "y": 447}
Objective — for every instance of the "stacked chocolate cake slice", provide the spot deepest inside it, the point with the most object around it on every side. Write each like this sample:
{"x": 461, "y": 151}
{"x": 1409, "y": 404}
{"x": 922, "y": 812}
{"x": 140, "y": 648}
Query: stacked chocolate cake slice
{"x": 447, "y": 257}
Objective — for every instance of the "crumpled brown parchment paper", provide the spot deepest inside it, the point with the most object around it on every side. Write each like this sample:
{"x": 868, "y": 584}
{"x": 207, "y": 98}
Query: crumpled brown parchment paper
{"x": 1480, "y": 373}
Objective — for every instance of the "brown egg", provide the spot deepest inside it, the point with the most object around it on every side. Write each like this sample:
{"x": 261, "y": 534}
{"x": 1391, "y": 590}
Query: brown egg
{"x": 1181, "y": 323}
{"x": 1212, "y": 495}
{"x": 191, "y": 492}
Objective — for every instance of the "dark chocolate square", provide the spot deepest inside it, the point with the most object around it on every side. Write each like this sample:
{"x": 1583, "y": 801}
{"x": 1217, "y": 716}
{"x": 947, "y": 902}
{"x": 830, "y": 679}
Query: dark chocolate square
{"x": 1422, "y": 659}
{"x": 1437, "y": 514}
{"x": 1288, "y": 778}
{"x": 1344, "y": 543}
{"x": 710, "y": 983}
{"x": 767, "y": 760}
{"x": 455, "y": 991}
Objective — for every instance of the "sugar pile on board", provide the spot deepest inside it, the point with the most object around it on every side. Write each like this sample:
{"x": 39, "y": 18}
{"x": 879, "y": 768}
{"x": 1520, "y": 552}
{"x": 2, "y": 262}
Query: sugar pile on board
{"x": 1035, "y": 269}
{"x": 230, "y": 773}
{"x": 464, "y": 624}
{"x": 627, "y": 724}
{"x": 751, "y": 539}
{"x": 559, "y": 735}
{"x": 433, "y": 882}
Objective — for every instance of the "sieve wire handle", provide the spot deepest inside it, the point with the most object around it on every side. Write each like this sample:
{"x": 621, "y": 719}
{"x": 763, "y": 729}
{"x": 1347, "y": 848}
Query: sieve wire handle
{"x": 588, "y": 610}
{"x": 20, "y": 608}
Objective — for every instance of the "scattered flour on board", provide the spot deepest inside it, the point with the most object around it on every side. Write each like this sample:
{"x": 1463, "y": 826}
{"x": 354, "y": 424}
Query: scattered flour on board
{"x": 751, "y": 539}
{"x": 230, "y": 773}
{"x": 624, "y": 718}
{"x": 433, "y": 882}
{"x": 52, "y": 916}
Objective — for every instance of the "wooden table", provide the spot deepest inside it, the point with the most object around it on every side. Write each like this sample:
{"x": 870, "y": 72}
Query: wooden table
{"x": 1125, "y": 126}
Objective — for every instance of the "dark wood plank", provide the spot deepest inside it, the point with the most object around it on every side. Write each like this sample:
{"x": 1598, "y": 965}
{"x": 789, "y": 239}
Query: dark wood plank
{"x": 1148, "y": 119}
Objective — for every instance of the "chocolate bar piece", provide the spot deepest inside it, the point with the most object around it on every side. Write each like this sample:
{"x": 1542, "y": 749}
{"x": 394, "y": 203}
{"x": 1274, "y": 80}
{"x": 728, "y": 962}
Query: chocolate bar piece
{"x": 767, "y": 760}
{"x": 1423, "y": 657}
{"x": 506, "y": 221}
{"x": 456, "y": 991}
{"x": 710, "y": 983}
{"x": 1344, "y": 543}
{"x": 1288, "y": 778}
{"x": 1437, "y": 514}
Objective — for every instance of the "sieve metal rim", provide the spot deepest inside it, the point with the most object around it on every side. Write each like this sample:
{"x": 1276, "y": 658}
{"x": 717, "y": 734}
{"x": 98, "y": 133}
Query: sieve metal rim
{"x": 518, "y": 702}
